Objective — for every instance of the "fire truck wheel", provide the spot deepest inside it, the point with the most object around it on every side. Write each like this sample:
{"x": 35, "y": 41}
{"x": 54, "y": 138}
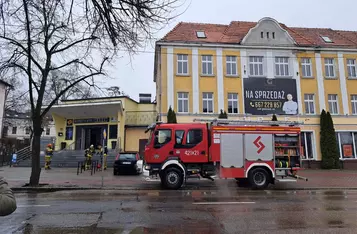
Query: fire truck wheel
{"x": 173, "y": 178}
{"x": 258, "y": 178}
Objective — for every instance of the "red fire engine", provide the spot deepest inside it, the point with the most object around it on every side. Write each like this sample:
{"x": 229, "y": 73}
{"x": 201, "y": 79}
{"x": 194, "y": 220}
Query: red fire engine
{"x": 256, "y": 153}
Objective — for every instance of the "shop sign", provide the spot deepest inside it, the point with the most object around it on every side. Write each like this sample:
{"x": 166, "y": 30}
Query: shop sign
{"x": 270, "y": 96}
{"x": 91, "y": 120}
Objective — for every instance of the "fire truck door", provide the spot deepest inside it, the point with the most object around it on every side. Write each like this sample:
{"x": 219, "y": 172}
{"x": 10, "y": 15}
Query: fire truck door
{"x": 232, "y": 150}
{"x": 259, "y": 147}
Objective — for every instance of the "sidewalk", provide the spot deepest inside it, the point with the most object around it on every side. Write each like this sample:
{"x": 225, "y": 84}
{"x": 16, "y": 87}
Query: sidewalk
{"x": 67, "y": 178}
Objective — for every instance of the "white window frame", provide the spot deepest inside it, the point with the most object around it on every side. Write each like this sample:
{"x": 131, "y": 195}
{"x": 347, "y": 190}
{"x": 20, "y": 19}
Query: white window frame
{"x": 329, "y": 65}
{"x": 207, "y": 60}
{"x": 282, "y": 62}
{"x": 331, "y": 102}
{"x": 207, "y": 99}
{"x": 351, "y": 68}
{"x": 231, "y": 61}
{"x": 353, "y": 141}
{"x": 307, "y": 102}
{"x": 232, "y": 101}
{"x": 182, "y": 59}
{"x": 354, "y": 103}
{"x": 181, "y": 97}
{"x": 256, "y": 62}
{"x": 306, "y": 65}
{"x": 313, "y": 145}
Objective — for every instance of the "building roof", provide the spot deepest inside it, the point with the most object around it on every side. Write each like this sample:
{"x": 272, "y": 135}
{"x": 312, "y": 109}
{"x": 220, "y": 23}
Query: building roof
{"x": 234, "y": 33}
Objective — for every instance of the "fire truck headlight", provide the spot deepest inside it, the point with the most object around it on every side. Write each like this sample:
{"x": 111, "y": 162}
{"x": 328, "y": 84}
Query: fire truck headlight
{"x": 147, "y": 167}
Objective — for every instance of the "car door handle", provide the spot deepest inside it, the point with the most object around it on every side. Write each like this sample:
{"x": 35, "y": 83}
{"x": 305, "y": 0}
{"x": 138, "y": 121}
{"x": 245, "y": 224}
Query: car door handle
{"x": 171, "y": 152}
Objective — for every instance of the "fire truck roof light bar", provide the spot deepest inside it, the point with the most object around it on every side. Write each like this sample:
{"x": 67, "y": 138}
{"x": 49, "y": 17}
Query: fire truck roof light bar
{"x": 249, "y": 122}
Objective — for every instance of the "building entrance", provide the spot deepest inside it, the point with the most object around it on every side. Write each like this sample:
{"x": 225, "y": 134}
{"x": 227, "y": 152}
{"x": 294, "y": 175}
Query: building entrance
{"x": 89, "y": 135}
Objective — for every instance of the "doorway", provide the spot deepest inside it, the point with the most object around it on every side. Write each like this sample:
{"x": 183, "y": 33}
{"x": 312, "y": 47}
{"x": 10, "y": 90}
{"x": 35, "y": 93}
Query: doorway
{"x": 89, "y": 135}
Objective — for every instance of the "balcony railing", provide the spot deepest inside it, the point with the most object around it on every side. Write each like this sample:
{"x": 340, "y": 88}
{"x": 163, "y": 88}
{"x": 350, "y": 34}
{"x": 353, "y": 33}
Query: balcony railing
{"x": 140, "y": 117}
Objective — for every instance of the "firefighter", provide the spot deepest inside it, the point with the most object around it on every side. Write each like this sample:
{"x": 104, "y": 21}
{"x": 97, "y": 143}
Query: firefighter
{"x": 48, "y": 157}
{"x": 105, "y": 157}
{"x": 90, "y": 154}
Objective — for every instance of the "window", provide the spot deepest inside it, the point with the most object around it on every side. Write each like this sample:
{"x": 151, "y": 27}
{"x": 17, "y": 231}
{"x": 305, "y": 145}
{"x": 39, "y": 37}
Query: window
{"x": 351, "y": 67}
{"x": 309, "y": 100}
{"x": 179, "y": 136}
{"x": 207, "y": 67}
{"x": 194, "y": 136}
{"x": 69, "y": 133}
{"x": 162, "y": 137}
{"x": 256, "y": 66}
{"x": 333, "y": 103}
{"x": 27, "y": 130}
{"x": 48, "y": 131}
{"x": 307, "y": 145}
{"x": 200, "y": 34}
{"x": 306, "y": 67}
{"x": 326, "y": 39}
{"x": 330, "y": 67}
{"x": 182, "y": 102}
{"x": 182, "y": 64}
{"x": 5, "y": 130}
{"x": 233, "y": 103}
{"x": 354, "y": 104}
{"x": 281, "y": 66}
{"x": 231, "y": 65}
{"x": 347, "y": 144}
{"x": 14, "y": 130}
{"x": 113, "y": 131}
{"x": 207, "y": 102}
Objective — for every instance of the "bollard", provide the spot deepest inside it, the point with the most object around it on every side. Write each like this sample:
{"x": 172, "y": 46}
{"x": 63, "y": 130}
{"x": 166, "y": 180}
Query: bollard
{"x": 78, "y": 165}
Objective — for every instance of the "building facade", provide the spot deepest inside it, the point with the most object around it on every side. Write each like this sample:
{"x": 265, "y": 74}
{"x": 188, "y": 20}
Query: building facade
{"x": 255, "y": 69}
{"x": 117, "y": 122}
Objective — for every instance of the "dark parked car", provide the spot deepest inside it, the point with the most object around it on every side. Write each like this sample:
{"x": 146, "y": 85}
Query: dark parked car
{"x": 127, "y": 162}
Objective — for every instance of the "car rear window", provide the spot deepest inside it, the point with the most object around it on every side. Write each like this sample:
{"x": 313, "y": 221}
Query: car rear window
{"x": 127, "y": 156}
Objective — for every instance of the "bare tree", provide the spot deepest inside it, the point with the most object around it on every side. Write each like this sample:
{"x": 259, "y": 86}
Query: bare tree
{"x": 40, "y": 37}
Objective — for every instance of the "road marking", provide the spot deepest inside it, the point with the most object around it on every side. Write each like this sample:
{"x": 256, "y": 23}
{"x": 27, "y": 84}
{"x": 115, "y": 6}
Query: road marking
{"x": 221, "y": 203}
{"x": 22, "y": 206}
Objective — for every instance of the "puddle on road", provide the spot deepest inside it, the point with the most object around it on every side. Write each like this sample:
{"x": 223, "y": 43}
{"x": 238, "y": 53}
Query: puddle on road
{"x": 85, "y": 230}
{"x": 197, "y": 229}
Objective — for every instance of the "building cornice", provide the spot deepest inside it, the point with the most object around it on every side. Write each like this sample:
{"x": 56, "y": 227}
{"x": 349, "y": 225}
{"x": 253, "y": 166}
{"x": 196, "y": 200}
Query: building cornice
{"x": 218, "y": 45}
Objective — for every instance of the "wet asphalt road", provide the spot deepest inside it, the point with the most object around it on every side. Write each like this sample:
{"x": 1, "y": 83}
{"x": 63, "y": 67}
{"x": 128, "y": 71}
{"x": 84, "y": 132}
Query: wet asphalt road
{"x": 223, "y": 211}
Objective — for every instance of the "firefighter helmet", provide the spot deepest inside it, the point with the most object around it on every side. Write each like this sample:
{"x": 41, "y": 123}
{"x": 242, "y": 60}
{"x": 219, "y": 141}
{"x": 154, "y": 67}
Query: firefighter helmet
{"x": 49, "y": 145}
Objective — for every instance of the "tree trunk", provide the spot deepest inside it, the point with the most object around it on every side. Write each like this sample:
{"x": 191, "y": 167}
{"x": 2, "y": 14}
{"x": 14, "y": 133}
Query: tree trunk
{"x": 36, "y": 149}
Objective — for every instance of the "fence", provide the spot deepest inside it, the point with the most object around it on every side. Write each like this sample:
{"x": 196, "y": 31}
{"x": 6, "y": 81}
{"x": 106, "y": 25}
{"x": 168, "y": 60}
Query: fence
{"x": 9, "y": 147}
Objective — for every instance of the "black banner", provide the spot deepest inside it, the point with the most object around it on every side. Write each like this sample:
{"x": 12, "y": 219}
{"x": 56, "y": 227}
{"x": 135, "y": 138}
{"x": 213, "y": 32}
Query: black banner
{"x": 91, "y": 120}
{"x": 270, "y": 96}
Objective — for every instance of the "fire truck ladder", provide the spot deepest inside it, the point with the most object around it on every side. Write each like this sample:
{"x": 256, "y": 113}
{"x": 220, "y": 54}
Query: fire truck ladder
{"x": 249, "y": 122}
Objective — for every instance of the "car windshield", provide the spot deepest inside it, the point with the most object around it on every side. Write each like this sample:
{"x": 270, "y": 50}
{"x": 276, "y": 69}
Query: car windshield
{"x": 127, "y": 156}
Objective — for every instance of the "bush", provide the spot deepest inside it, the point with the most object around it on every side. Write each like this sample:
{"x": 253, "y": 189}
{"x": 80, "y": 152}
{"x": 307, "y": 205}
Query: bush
{"x": 171, "y": 116}
{"x": 223, "y": 115}
{"x": 328, "y": 144}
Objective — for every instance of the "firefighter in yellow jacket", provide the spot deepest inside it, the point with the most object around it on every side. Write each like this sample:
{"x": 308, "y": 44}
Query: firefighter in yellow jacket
{"x": 48, "y": 156}
{"x": 90, "y": 153}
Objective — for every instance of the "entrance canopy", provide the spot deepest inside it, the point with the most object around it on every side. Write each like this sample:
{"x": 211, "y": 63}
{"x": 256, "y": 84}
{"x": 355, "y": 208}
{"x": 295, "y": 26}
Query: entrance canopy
{"x": 87, "y": 109}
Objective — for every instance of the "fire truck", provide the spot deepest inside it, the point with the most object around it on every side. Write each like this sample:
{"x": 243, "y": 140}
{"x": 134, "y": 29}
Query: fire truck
{"x": 255, "y": 153}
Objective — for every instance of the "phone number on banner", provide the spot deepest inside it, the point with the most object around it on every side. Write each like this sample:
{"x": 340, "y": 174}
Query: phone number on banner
{"x": 268, "y": 104}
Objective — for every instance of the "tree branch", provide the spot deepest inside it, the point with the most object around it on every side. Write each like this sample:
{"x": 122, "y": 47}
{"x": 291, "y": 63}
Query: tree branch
{"x": 73, "y": 44}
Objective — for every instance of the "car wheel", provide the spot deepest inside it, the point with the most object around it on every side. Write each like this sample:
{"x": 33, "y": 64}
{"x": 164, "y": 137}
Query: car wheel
{"x": 173, "y": 178}
{"x": 259, "y": 178}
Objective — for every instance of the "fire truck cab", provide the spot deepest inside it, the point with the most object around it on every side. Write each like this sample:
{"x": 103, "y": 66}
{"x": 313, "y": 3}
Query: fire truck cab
{"x": 253, "y": 152}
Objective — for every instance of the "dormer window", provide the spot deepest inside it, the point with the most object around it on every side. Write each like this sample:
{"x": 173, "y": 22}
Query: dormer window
{"x": 200, "y": 34}
{"x": 326, "y": 39}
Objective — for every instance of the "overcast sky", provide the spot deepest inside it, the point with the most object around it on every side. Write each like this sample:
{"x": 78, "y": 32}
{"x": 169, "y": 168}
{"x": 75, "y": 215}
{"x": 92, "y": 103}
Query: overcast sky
{"x": 136, "y": 76}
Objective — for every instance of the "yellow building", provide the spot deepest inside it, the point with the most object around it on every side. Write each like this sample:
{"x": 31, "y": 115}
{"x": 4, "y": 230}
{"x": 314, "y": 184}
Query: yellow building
{"x": 249, "y": 69}
{"x": 117, "y": 122}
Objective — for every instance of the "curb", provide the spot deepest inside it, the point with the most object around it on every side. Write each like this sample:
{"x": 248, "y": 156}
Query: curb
{"x": 56, "y": 189}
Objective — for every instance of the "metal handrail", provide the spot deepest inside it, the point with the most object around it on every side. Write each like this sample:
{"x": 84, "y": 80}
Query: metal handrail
{"x": 249, "y": 122}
